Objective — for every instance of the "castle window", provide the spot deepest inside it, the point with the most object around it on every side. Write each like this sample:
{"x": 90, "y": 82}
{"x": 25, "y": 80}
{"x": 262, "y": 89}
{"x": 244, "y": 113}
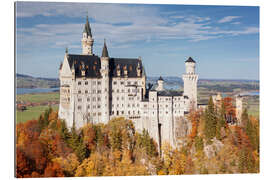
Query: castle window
{"x": 117, "y": 90}
{"x": 129, "y": 82}
{"x": 86, "y": 82}
{"x": 128, "y": 112}
{"x": 99, "y": 83}
{"x": 112, "y": 112}
{"x": 123, "y": 91}
{"x": 138, "y": 112}
{"x": 145, "y": 106}
{"x": 99, "y": 91}
{"x": 88, "y": 99}
{"x": 94, "y": 99}
{"x": 117, "y": 113}
{"x": 88, "y": 106}
{"x": 122, "y": 112}
{"x": 68, "y": 99}
{"x": 79, "y": 83}
{"x": 128, "y": 105}
{"x": 117, "y": 98}
{"x": 79, "y": 107}
{"x": 98, "y": 106}
{"x": 98, "y": 98}
{"x": 79, "y": 91}
{"x": 105, "y": 89}
{"x": 129, "y": 90}
{"x": 122, "y": 82}
{"x": 80, "y": 99}
{"x": 86, "y": 91}
{"x": 122, "y": 97}
{"x": 115, "y": 82}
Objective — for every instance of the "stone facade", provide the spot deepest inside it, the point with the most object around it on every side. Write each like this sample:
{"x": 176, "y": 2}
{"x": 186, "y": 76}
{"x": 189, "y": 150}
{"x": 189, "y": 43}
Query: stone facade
{"x": 96, "y": 89}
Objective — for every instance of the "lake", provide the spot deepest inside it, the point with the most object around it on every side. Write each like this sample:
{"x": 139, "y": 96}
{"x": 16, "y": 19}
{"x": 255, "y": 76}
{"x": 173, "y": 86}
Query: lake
{"x": 251, "y": 93}
{"x": 35, "y": 90}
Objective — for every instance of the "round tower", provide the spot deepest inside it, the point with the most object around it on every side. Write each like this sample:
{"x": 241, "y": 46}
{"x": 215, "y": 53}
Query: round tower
{"x": 160, "y": 83}
{"x": 190, "y": 82}
{"x": 87, "y": 40}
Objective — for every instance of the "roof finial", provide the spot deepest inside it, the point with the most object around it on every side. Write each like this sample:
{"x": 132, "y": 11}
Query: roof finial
{"x": 66, "y": 50}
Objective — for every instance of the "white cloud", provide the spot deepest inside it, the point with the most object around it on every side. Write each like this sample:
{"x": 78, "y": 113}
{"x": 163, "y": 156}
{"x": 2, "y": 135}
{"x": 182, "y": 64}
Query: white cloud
{"x": 228, "y": 19}
{"x": 236, "y": 23}
{"x": 144, "y": 23}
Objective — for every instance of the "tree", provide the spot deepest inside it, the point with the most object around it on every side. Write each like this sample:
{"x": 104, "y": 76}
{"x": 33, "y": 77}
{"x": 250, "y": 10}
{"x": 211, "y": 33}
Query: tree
{"x": 221, "y": 122}
{"x": 210, "y": 121}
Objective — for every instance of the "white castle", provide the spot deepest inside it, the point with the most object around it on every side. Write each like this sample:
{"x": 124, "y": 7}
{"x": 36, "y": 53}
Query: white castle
{"x": 96, "y": 89}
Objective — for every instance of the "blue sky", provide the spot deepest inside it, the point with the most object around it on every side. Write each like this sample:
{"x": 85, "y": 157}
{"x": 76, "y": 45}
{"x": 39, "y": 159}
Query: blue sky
{"x": 224, "y": 40}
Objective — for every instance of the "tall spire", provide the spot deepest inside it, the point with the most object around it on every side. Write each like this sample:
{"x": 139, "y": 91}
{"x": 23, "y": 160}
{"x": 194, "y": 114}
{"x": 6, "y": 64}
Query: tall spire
{"x": 87, "y": 28}
{"x": 105, "y": 51}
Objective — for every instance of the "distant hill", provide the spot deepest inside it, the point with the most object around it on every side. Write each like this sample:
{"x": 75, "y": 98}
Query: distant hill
{"x": 171, "y": 82}
{"x": 26, "y": 81}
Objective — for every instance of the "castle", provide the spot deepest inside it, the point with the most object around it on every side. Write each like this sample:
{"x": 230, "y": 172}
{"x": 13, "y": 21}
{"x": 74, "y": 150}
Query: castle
{"x": 96, "y": 89}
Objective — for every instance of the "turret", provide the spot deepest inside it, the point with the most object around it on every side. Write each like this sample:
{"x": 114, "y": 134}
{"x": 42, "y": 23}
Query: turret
{"x": 104, "y": 59}
{"x": 160, "y": 84}
{"x": 104, "y": 70}
{"x": 190, "y": 82}
{"x": 190, "y": 66}
{"x": 87, "y": 40}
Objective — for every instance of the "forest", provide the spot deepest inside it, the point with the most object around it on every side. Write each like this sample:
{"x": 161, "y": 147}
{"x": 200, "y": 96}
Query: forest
{"x": 45, "y": 147}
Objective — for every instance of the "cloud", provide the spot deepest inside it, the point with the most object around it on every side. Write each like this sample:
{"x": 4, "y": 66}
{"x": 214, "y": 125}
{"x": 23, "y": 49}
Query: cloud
{"x": 141, "y": 23}
{"x": 235, "y": 23}
{"x": 228, "y": 19}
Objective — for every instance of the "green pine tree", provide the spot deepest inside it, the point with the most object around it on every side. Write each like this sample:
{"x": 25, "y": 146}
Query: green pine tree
{"x": 210, "y": 121}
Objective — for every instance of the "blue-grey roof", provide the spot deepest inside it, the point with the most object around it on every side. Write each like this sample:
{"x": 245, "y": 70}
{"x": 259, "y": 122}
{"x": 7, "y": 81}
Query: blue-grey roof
{"x": 190, "y": 60}
{"x": 92, "y": 66}
{"x": 87, "y": 28}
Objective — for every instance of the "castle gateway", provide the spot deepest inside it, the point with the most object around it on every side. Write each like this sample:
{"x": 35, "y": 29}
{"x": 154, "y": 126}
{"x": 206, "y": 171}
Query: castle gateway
{"x": 96, "y": 89}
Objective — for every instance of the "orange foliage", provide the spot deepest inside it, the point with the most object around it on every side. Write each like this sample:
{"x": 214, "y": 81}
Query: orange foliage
{"x": 194, "y": 117}
{"x": 53, "y": 170}
{"x": 229, "y": 108}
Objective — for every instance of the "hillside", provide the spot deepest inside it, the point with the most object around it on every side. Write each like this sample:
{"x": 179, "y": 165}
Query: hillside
{"x": 26, "y": 81}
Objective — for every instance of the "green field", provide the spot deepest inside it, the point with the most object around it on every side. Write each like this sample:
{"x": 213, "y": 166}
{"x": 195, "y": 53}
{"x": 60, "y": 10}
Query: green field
{"x": 32, "y": 113}
{"x": 36, "y": 111}
{"x": 39, "y": 97}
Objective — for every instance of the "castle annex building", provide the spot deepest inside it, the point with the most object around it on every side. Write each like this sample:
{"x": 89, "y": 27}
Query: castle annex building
{"x": 96, "y": 89}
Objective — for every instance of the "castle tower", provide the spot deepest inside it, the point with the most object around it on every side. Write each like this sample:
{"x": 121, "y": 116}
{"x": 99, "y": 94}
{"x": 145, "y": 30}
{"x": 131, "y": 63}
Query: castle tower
{"x": 160, "y": 84}
{"x": 104, "y": 70}
{"x": 239, "y": 108}
{"x": 190, "y": 82}
{"x": 87, "y": 40}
